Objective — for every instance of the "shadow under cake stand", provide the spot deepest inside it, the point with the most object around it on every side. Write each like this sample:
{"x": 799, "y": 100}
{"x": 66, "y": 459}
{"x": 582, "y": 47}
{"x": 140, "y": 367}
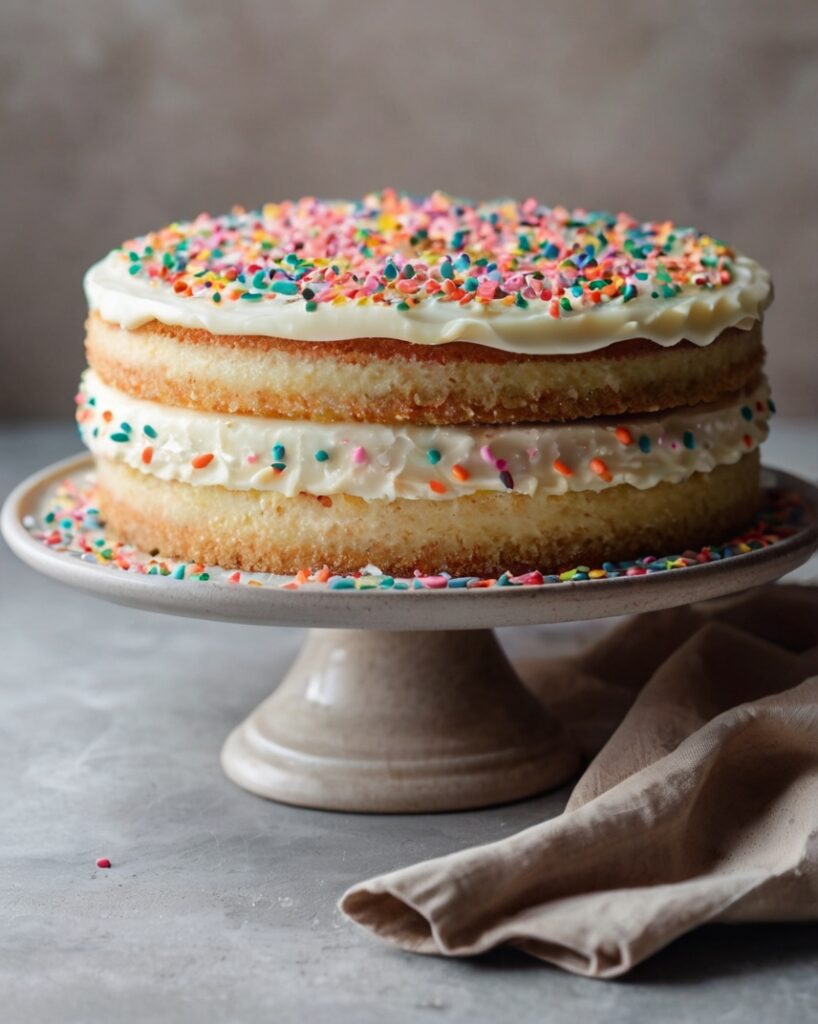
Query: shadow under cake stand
{"x": 400, "y": 701}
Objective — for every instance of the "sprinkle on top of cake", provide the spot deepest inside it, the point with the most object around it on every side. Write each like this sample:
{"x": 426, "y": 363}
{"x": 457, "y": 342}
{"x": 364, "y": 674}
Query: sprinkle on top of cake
{"x": 399, "y": 250}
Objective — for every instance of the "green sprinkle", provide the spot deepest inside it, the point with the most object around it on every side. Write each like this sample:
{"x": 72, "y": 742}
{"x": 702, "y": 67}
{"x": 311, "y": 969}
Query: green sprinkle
{"x": 446, "y": 270}
{"x": 342, "y": 584}
{"x": 408, "y": 271}
{"x": 566, "y": 304}
{"x": 217, "y": 296}
{"x": 250, "y": 295}
{"x": 629, "y": 293}
{"x": 134, "y": 268}
{"x": 747, "y": 412}
{"x": 644, "y": 444}
{"x": 321, "y": 455}
{"x": 259, "y": 279}
{"x": 126, "y": 427}
{"x": 148, "y": 430}
{"x": 390, "y": 271}
{"x": 311, "y": 307}
{"x": 204, "y": 576}
{"x": 179, "y": 572}
{"x": 403, "y": 306}
{"x": 285, "y": 287}
{"x": 120, "y": 437}
{"x": 471, "y": 284}
{"x": 280, "y": 466}
{"x": 279, "y": 452}
{"x": 688, "y": 440}
{"x": 433, "y": 455}
{"x": 520, "y": 301}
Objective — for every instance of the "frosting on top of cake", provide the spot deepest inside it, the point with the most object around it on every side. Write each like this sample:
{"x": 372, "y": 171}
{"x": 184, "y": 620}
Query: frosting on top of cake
{"x": 377, "y": 461}
{"x": 522, "y": 277}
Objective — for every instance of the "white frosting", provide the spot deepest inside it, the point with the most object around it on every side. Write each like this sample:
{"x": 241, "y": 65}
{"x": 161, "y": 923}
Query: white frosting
{"x": 697, "y": 314}
{"x": 375, "y": 461}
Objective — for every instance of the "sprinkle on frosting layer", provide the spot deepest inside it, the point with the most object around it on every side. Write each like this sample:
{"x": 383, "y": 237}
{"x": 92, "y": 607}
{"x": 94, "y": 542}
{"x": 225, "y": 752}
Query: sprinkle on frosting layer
{"x": 433, "y": 269}
{"x": 377, "y": 461}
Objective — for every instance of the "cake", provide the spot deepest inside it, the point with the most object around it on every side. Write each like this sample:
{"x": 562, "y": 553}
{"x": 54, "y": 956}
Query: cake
{"x": 424, "y": 383}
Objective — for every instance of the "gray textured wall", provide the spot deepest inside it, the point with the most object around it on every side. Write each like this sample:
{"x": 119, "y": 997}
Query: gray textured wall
{"x": 120, "y": 115}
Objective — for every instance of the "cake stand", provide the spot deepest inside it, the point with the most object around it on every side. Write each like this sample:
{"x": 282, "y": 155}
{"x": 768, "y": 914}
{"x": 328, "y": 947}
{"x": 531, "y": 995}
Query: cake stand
{"x": 399, "y": 701}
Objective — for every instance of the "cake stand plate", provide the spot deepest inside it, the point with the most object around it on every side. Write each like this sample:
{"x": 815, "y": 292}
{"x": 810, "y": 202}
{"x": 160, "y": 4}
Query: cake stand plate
{"x": 400, "y": 701}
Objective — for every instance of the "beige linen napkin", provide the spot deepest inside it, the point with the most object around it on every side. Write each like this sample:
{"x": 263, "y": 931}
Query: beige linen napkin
{"x": 702, "y": 805}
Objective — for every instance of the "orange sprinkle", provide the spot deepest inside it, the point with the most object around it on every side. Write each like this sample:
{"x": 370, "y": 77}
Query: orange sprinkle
{"x": 601, "y": 470}
{"x": 302, "y": 576}
{"x": 107, "y": 416}
{"x": 459, "y": 473}
{"x": 437, "y": 487}
{"x": 200, "y": 461}
{"x": 561, "y": 468}
{"x": 623, "y": 435}
{"x": 322, "y": 575}
{"x": 147, "y": 455}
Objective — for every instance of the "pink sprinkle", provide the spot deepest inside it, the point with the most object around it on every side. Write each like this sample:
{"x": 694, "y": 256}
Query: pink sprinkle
{"x": 103, "y": 862}
{"x": 234, "y": 577}
{"x": 487, "y": 455}
{"x": 359, "y": 455}
{"x": 433, "y": 582}
{"x": 252, "y": 458}
{"x": 634, "y": 571}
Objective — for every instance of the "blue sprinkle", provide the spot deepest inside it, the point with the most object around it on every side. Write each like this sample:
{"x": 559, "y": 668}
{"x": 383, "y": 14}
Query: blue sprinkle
{"x": 278, "y": 452}
{"x": 747, "y": 412}
{"x": 342, "y": 584}
{"x": 321, "y": 455}
{"x": 119, "y": 438}
{"x": 179, "y": 572}
{"x": 148, "y": 430}
{"x": 644, "y": 444}
{"x": 688, "y": 440}
{"x": 433, "y": 455}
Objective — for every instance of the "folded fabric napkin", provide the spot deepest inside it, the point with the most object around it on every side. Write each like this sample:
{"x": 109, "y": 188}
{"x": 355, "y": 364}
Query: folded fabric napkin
{"x": 700, "y": 805}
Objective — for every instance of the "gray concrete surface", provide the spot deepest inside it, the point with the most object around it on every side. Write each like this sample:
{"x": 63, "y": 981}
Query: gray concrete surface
{"x": 220, "y": 907}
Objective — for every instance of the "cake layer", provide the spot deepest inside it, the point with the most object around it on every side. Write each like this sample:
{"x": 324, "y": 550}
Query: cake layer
{"x": 438, "y": 464}
{"x": 479, "y": 534}
{"x": 386, "y": 381}
{"x": 518, "y": 277}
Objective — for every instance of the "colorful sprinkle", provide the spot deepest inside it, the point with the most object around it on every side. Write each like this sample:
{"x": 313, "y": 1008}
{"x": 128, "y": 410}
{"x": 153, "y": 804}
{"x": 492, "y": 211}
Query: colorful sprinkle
{"x": 200, "y": 461}
{"x": 398, "y": 250}
{"x": 433, "y": 455}
{"x": 71, "y": 525}
{"x": 321, "y": 455}
{"x": 359, "y": 455}
{"x": 561, "y": 468}
{"x": 623, "y": 435}
{"x": 600, "y": 467}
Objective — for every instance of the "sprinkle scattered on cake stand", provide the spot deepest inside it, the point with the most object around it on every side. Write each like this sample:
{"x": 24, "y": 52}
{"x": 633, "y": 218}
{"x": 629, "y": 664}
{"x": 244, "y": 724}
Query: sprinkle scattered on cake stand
{"x": 407, "y": 703}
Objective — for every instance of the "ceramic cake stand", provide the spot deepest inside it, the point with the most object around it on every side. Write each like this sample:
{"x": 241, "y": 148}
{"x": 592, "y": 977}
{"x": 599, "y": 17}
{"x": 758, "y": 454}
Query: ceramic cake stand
{"x": 399, "y": 700}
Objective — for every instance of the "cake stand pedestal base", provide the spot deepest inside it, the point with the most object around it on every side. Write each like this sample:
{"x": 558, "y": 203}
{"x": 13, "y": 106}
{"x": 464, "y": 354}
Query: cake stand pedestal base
{"x": 399, "y": 722}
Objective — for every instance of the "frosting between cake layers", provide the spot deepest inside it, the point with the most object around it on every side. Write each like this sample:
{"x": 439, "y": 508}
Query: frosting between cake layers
{"x": 520, "y": 277}
{"x": 375, "y": 461}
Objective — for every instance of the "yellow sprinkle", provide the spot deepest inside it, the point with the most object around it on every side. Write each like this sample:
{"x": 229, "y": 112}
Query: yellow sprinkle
{"x": 597, "y": 574}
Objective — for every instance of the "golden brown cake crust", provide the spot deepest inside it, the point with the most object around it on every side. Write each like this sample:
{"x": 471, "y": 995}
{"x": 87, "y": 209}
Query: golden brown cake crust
{"x": 482, "y": 534}
{"x": 386, "y": 381}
